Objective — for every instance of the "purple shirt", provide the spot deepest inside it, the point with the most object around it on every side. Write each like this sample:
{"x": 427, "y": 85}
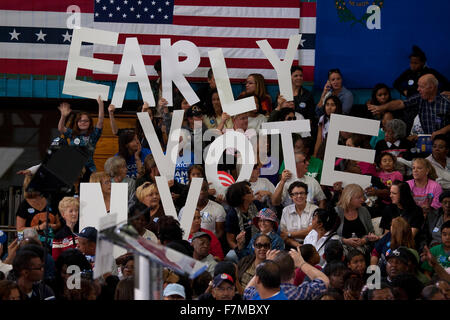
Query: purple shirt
{"x": 431, "y": 191}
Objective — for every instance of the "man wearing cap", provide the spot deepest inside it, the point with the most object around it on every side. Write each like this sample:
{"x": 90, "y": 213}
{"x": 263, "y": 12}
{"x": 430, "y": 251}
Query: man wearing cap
{"x": 201, "y": 242}
{"x": 87, "y": 244}
{"x": 397, "y": 263}
{"x": 174, "y": 291}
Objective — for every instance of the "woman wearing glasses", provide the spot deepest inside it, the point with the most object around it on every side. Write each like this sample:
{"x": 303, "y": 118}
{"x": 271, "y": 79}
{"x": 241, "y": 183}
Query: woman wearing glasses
{"x": 334, "y": 87}
{"x": 296, "y": 219}
{"x": 83, "y": 133}
{"x": 247, "y": 265}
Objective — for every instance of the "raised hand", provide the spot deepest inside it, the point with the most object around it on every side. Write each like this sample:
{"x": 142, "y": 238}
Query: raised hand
{"x": 64, "y": 108}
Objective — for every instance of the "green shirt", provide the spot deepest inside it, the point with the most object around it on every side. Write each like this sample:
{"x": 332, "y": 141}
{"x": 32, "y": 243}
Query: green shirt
{"x": 314, "y": 168}
{"x": 441, "y": 256}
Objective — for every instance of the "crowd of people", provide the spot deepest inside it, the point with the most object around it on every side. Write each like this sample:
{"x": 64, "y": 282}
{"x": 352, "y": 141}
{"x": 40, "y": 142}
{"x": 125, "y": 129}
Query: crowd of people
{"x": 280, "y": 236}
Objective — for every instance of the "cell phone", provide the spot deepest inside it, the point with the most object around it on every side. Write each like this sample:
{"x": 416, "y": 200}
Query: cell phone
{"x": 19, "y": 236}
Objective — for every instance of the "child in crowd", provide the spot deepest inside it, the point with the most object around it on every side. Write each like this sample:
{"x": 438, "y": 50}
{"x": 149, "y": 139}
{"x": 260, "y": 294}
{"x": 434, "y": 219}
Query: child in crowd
{"x": 356, "y": 262}
{"x": 387, "y": 174}
{"x": 311, "y": 256}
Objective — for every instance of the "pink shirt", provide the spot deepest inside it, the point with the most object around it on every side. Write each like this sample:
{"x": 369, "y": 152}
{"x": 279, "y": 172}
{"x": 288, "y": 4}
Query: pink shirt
{"x": 389, "y": 177}
{"x": 431, "y": 191}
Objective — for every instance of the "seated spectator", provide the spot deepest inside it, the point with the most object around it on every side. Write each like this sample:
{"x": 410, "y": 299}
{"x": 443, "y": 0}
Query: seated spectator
{"x": 202, "y": 283}
{"x": 403, "y": 205}
{"x": 441, "y": 273}
{"x": 332, "y": 294}
{"x": 247, "y": 265}
{"x": 296, "y": 218}
{"x": 6, "y": 264}
{"x": 31, "y": 242}
{"x": 170, "y": 234}
{"x": 435, "y": 219}
{"x": 267, "y": 224}
{"x": 267, "y": 282}
{"x": 395, "y": 141}
{"x": 356, "y": 262}
{"x": 241, "y": 210}
{"x": 334, "y": 87}
{"x": 28, "y": 268}
{"x": 333, "y": 252}
{"x": 174, "y": 291}
{"x": 442, "y": 251}
{"x": 315, "y": 193}
{"x": 116, "y": 168}
{"x": 440, "y": 161}
{"x": 105, "y": 183}
{"x": 353, "y": 284}
{"x": 215, "y": 248}
{"x": 212, "y": 214}
{"x": 131, "y": 151}
{"x": 65, "y": 237}
{"x": 311, "y": 256}
{"x": 223, "y": 288}
{"x": 400, "y": 235}
{"x": 148, "y": 195}
{"x": 9, "y": 290}
{"x": 324, "y": 225}
{"x": 397, "y": 263}
{"x": 138, "y": 217}
{"x": 425, "y": 189}
{"x": 356, "y": 228}
{"x": 406, "y": 286}
{"x": 332, "y": 105}
{"x": 126, "y": 265}
{"x": 336, "y": 272}
{"x": 387, "y": 173}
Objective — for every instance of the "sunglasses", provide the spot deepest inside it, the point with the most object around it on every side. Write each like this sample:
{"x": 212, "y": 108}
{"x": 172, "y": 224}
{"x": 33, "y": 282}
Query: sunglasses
{"x": 262, "y": 245}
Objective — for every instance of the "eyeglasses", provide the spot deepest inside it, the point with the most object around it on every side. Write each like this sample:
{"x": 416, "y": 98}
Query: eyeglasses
{"x": 296, "y": 194}
{"x": 262, "y": 245}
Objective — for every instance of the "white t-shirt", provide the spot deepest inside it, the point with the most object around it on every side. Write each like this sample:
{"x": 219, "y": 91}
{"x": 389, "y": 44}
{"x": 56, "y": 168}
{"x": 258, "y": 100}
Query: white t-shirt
{"x": 311, "y": 238}
{"x": 256, "y": 122}
{"x": 315, "y": 193}
{"x": 291, "y": 221}
{"x": 211, "y": 213}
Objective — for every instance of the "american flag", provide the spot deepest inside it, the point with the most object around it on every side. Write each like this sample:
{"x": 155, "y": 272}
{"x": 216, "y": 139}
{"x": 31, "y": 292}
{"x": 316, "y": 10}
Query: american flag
{"x": 34, "y": 37}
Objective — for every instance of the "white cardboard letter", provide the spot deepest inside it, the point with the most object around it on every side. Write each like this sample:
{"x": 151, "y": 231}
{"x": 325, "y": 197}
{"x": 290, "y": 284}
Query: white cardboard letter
{"x": 165, "y": 163}
{"x": 283, "y": 68}
{"x": 132, "y": 60}
{"x": 338, "y": 123}
{"x": 235, "y": 140}
{"x": 374, "y": 21}
{"x": 223, "y": 85}
{"x": 75, "y": 87}
{"x": 286, "y": 129}
{"x": 174, "y": 70}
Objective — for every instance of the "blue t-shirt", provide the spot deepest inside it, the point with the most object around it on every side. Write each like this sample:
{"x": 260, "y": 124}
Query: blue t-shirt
{"x": 89, "y": 141}
{"x": 182, "y": 167}
{"x": 131, "y": 163}
{"x": 279, "y": 296}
